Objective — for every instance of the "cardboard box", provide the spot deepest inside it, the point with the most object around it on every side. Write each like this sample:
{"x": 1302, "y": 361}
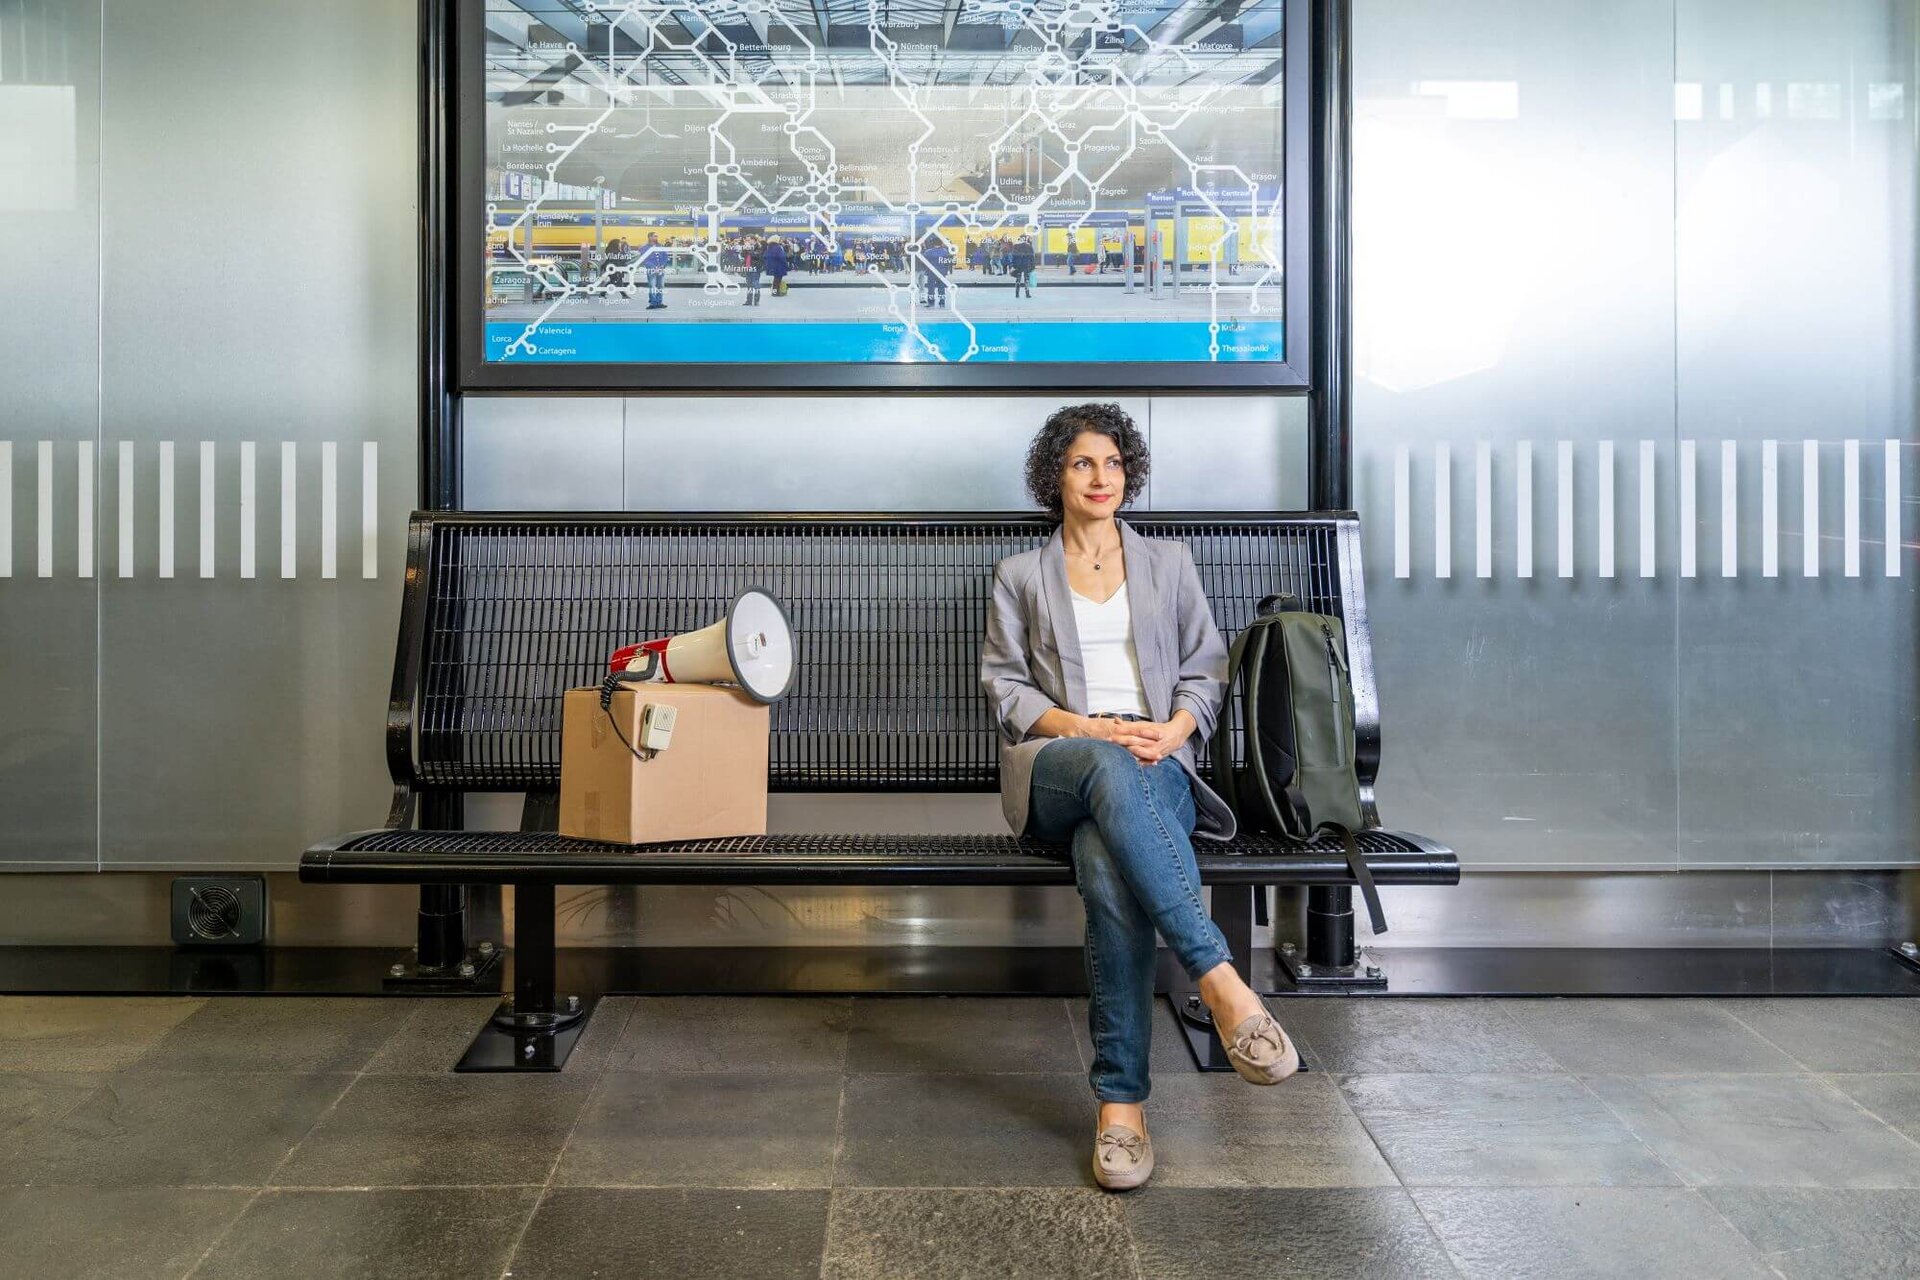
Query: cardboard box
{"x": 711, "y": 780}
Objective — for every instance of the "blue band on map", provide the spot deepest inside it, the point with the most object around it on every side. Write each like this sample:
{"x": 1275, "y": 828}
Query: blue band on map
{"x": 1081, "y": 342}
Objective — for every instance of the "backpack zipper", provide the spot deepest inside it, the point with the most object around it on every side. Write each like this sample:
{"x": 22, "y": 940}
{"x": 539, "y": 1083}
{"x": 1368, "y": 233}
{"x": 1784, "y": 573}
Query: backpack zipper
{"x": 1339, "y": 704}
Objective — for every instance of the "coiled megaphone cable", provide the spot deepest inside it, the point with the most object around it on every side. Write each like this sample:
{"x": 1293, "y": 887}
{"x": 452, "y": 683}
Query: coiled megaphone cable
{"x": 612, "y": 683}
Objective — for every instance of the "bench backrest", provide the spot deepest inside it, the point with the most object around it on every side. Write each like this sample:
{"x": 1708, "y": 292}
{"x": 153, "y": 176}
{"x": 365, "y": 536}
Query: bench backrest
{"x": 504, "y": 612}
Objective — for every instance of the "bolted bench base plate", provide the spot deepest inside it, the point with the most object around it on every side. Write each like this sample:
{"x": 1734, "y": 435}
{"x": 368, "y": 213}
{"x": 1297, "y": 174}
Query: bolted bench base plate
{"x": 515, "y": 1041}
{"x": 1196, "y": 1022}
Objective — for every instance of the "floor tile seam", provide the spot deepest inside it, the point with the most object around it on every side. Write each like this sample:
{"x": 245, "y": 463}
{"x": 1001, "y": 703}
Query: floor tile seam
{"x": 833, "y": 1199}
{"x": 226, "y": 1231}
{"x": 931, "y": 1075}
{"x": 899, "y": 1075}
{"x": 1446, "y": 1250}
{"x": 147, "y": 1049}
{"x": 1117, "y": 1205}
{"x": 520, "y": 1236}
{"x": 1867, "y": 1111}
{"x": 839, "y": 1133}
{"x": 1814, "y": 1077}
{"x": 1766, "y": 1260}
{"x": 311, "y": 1129}
{"x": 357, "y": 1188}
{"x": 880, "y": 1186}
{"x": 1399, "y": 1178}
{"x": 1764, "y": 1036}
{"x": 1073, "y": 1033}
{"x": 546, "y": 1187}
{"x": 1346, "y": 1106}
{"x": 1504, "y": 1009}
{"x": 1637, "y": 1136}
{"x": 43, "y": 1185}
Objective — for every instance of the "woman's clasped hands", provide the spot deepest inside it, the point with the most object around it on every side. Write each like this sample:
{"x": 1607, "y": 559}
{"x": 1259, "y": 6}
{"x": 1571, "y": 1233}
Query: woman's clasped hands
{"x": 1150, "y": 741}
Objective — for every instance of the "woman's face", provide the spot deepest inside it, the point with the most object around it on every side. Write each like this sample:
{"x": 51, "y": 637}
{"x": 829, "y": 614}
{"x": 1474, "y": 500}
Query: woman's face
{"x": 1093, "y": 479}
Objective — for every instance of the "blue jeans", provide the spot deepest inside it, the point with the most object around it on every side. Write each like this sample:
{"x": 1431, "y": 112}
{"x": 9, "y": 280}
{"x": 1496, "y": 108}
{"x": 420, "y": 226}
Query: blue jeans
{"x": 1129, "y": 825}
{"x": 656, "y": 288}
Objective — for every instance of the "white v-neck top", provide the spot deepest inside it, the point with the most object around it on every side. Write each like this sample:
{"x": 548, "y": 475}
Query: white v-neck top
{"x": 1108, "y": 654}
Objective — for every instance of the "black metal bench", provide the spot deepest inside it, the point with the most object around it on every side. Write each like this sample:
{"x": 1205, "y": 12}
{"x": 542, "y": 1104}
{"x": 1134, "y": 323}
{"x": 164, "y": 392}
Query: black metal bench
{"x": 502, "y": 613}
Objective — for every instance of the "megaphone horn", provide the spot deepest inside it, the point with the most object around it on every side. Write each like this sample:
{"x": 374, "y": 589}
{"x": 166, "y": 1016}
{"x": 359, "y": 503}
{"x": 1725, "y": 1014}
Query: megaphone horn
{"x": 751, "y": 647}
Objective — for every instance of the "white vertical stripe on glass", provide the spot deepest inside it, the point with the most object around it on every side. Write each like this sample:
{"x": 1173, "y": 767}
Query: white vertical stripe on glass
{"x": 206, "y": 508}
{"x": 329, "y": 508}
{"x": 249, "y": 467}
{"x": 289, "y": 508}
{"x": 369, "y": 510}
{"x": 44, "y": 510}
{"x": 1892, "y": 484}
{"x": 1850, "y": 510}
{"x": 83, "y": 509}
{"x": 1442, "y": 509}
{"x": 124, "y": 526}
{"x": 1483, "y": 510}
{"x": 164, "y": 515}
{"x": 6, "y": 508}
{"x": 1402, "y": 512}
{"x": 1648, "y": 517}
{"x": 1729, "y": 510}
{"x": 1810, "y": 508}
{"x": 1769, "y": 508}
{"x": 1563, "y": 514}
{"x": 1605, "y": 493}
{"x": 1688, "y": 525}
{"x": 1523, "y": 509}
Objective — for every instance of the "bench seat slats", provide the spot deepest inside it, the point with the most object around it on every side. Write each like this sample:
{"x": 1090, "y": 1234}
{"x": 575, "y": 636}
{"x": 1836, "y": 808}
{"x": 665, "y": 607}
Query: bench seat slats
{"x": 481, "y": 857}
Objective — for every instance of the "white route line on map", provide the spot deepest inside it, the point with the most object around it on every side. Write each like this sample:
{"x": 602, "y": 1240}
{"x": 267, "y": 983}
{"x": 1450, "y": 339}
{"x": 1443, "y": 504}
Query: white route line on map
{"x": 734, "y": 92}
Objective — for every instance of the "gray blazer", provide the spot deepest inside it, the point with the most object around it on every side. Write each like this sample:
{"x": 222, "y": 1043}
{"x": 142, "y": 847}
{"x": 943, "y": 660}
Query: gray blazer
{"x": 1031, "y": 659}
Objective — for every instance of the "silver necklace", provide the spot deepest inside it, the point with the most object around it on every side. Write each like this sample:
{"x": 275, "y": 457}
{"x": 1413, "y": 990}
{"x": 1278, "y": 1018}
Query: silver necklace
{"x": 1096, "y": 563}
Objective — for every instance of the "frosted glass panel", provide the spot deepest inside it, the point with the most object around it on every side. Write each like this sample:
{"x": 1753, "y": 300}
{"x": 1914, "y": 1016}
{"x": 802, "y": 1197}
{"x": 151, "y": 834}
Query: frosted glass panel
{"x": 1513, "y": 266}
{"x": 1635, "y": 421}
{"x": 49, "y": 430}
{"x": 1796, "y": 308}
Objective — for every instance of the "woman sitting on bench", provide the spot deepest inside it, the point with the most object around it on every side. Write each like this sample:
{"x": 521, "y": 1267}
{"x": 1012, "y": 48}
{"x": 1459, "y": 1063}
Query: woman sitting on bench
{"x": 1101, "y": 662}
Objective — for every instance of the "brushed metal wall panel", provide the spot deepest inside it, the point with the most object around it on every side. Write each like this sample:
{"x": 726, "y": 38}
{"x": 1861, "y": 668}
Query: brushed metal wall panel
{"x": 1513, "y": 228}
{"x": 1796, "y": 232}
{"x": 1230, "y": 453}
{"x": 686, "y": 453}
{"x": 836, "y": 453}
{"x": 49, "y": 391}
{"x": 259, "y": 167}
{"x": 543, "y": 453}
{"x": 1693, "y": 909}
{"x": 1697, "y": 908}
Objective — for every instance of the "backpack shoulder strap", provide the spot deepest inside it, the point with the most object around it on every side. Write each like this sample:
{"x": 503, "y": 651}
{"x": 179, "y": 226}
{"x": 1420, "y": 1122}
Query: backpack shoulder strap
{"x": 1238, "y": 678}
{"x": 1362, "y": 876}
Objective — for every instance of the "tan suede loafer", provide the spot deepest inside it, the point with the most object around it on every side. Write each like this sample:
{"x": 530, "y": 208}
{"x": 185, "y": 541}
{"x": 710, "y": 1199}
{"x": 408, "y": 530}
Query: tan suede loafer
{"x": 1260, "y": 1051}
{"x": 1122, "y": 1159}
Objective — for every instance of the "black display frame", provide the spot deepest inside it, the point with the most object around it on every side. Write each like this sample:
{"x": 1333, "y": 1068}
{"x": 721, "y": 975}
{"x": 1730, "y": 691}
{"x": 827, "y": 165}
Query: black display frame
{"x": 453, "y": 58}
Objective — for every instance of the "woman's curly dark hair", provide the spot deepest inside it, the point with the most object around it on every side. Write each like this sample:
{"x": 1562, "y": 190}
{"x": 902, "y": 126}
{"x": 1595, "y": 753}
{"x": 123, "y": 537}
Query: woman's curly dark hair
{"x": 1047, "y": 455}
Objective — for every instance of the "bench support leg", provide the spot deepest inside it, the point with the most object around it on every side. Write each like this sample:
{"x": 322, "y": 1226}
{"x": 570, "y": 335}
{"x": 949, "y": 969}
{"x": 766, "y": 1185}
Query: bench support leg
{"x": 534, "y": 1029}
{"x": 1233, "y": 911}
{"x": 443, "y": 958}
{"x": 1332, "y": 958}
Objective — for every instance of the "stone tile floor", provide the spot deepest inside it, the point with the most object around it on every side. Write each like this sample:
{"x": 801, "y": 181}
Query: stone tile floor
{"x": 852, "y": 1138}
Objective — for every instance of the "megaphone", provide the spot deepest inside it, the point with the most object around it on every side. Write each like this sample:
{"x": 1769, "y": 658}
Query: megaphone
{"x": 751, "y": 647}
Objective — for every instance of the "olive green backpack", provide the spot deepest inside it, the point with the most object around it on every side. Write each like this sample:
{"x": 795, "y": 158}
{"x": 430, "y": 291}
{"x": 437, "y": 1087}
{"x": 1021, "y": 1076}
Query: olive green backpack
{"x": 1288, "y": 671}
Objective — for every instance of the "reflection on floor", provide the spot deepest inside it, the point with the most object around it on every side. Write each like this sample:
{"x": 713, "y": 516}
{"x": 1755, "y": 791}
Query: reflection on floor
{"x": 949, "y": 1137}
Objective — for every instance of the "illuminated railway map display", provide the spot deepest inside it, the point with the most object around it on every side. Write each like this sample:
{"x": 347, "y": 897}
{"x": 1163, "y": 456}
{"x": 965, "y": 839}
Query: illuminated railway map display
{"x": 938, "y": 181}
